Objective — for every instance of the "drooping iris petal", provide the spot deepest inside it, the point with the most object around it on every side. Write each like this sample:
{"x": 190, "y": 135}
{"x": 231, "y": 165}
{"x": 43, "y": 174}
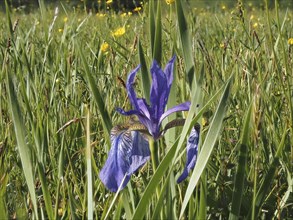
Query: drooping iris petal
{"x": 129, "y": 151}
{"x": 181, "y": 107}
{"x": 118, "y": 162}
{"x": 140, "y": 152}
{"x": 192, "y": 147}
{"x": 142, "y": 118}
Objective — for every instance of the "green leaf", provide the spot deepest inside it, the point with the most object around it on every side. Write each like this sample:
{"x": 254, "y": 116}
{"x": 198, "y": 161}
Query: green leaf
{"x": 118, "y": 210}
{"x": 170, "y": 157}
{"x": 140, "y": 210}
{"x": 185, "y": 42}
{"x": 207, "y": 146}
{"x": 42, "y": 7}
{"x": 157, "y": 55}
{"x": 24, "y": 150}
{"x": 242, "y": 161}
{"x": 88, "y": 155}
{"x": 3, "y": 184}
{"x": 46, "y": 192}
{"x": 268, "y": 177}
{"x": 10, "y": 28}
{"x": 105, "y": 118}
{"x": 152, "y": 25}
{"x": 72, "y": 205}
{"x": 160, "y": 203}
{"x": 145, "y": 79}
{"x": 126, "y": 206}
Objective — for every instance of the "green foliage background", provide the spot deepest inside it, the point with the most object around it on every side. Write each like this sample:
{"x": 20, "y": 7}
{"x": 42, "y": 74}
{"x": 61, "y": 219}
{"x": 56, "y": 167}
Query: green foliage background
{"x": 60, "y": 85}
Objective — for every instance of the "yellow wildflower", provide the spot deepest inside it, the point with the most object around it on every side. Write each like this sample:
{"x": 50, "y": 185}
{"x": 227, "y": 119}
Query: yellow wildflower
{"x": 119, "y": 32}
{"x": 137, "y": 9}
{"x": 169, "y": 2}
{"x": 60, "y": 211}
{"x": 223, "y": 7}
{"x": 100, "y": 15}
{"x": 129, "y": 13}
{"x": 222, "y": 45}
{"x": 290, "y": 41}
{"x": 204, "y": 121}
{"x": 60, "y": 30}
{"x": 255, "y": 25}
{"x": 123, "y": 14}
{"x": 65, "y": 19}
{"x": 109, "y": 2}
{"x": 104, "y": 47}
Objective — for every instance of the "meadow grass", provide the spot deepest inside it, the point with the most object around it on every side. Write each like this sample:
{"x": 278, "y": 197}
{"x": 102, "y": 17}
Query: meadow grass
{"x": 62, "y": 77}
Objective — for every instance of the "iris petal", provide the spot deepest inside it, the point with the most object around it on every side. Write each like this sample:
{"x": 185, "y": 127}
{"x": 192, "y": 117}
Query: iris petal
{"x": 142, "y": 118}
{"x": 159, "y": 90}
{"x": 181, "y": 107}
{"x": 169, "y": 72}
{"x": 129, "y": 151}
{"x": 127, "y": 113}
{"x": 140, "y": 152}
{"x": 118, "y": 162}
{"x": 130, "y": 90}
{"x": 192, "y": 147}
{"x": 144, "y": 107}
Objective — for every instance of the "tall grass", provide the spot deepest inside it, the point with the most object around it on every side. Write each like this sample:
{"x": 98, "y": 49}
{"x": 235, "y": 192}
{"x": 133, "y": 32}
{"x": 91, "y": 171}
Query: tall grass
{"x": 60, "y": 86}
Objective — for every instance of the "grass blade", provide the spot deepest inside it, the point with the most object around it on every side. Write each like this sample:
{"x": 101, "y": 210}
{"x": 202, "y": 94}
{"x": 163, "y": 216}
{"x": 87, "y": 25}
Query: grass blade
{"x": 157, "y": 55}
{"x": 46, "y": 192}
{"x": 145, "y": 82}
{"x": 10, "y": 28}
{"x": 3, "y": 184}
{"x": 268, "y": 177}
{"x": 185, "y": 42}
{"x": 152, "y": 25}
{"x": 242, "y": 161}
{"x": 107, "y": 124}
{"x": 90, "y": 200}
{"x": 23, "y": 148}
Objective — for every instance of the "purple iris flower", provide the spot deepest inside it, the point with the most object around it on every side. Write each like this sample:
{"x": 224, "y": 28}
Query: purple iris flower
{"x": 152, "y": 115}
{"x": 129, "y": 146}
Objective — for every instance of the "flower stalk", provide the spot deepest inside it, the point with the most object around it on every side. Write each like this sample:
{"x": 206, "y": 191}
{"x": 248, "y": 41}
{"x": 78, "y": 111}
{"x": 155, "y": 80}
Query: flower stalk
{"x": 153, "y": 145}
{"x": 154, "y": 153}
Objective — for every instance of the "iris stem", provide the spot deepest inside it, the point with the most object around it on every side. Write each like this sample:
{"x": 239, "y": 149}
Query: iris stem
{"x": 154, "y": 153}
{"x": 155, "y": 159}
